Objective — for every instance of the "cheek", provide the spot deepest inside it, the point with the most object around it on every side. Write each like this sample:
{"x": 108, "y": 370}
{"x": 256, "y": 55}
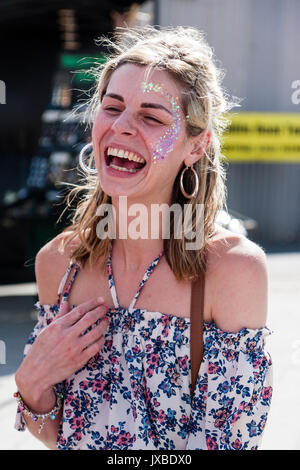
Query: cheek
{"x": 100, "y": 126}
{"x": 167, "y": 142}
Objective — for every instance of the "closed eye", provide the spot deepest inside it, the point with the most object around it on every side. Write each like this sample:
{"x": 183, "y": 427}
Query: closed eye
{"x": 146, "y": 117}
{"x": 111, "y": 109}
{"x": 153, "y": 119}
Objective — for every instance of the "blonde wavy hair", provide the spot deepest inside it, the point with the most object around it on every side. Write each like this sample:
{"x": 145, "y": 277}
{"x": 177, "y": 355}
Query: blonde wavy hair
{"x": 184, "y": 53}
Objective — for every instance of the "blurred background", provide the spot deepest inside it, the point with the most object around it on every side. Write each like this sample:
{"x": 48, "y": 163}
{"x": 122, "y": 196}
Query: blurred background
{"x": 45, "y": 49}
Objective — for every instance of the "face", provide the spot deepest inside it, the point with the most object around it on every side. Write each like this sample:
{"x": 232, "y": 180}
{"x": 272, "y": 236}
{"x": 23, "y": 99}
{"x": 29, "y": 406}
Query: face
{"x": 139, "y": 137}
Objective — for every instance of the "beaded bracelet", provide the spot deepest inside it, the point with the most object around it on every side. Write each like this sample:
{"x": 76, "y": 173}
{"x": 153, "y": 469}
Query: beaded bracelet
{"x": 34, "y": 416}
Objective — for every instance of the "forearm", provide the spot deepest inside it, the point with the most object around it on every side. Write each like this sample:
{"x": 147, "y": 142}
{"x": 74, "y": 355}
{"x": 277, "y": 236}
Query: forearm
{"x": 40, "y": 401}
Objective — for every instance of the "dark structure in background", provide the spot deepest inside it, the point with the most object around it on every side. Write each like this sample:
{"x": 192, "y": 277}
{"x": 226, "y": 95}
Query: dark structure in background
{"x": 41, "y": 42}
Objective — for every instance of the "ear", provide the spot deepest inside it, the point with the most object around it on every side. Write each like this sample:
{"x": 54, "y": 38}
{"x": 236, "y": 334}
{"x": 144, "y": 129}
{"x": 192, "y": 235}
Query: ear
{"x": 197, "y": 147}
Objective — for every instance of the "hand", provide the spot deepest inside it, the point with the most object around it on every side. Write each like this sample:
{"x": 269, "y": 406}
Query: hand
{"x": 61, "y": 348}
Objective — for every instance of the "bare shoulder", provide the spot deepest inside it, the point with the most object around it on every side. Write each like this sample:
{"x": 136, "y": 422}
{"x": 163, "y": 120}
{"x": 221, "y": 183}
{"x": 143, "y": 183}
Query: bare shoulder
{"x": 50, "y": 265}
{"x": 238, "y": 279}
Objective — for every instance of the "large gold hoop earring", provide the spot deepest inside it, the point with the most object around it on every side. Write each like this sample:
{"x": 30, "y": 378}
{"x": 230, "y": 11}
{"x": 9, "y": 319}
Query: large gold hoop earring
{"x": 86, "y": 169}
{"x": 193, "y": 194}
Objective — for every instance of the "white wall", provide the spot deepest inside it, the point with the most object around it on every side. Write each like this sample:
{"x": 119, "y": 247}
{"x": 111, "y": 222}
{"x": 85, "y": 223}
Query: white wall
{"x": 257, "y": 42}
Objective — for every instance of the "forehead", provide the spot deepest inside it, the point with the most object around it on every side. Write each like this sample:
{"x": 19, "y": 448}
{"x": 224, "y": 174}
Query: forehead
{"x": 128, "y": 78}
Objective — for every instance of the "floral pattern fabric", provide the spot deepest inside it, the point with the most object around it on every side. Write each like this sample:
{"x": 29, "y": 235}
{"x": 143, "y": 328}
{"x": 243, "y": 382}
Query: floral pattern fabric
{"x": 135, "y": 393}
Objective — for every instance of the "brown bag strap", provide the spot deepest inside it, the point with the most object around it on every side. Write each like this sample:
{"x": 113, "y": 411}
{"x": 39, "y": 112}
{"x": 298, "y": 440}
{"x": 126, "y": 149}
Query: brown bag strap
{"x": 196, "y": 328}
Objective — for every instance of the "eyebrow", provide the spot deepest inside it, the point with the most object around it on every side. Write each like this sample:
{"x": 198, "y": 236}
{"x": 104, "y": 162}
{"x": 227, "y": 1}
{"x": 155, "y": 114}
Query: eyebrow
{"x": 143, "y": 105}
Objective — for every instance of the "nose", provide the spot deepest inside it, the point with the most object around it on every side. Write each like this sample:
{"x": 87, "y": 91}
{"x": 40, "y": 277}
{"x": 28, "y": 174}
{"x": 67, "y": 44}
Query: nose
{"x": 124, "y": 124}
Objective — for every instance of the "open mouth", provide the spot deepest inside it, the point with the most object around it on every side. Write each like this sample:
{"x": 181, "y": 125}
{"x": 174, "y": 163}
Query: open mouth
{"x": 124, "y": 161}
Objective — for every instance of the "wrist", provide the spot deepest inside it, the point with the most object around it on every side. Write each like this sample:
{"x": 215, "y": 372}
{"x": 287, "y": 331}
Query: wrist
{"x": 36, "y": 396}
{"x": 40, "y": 416}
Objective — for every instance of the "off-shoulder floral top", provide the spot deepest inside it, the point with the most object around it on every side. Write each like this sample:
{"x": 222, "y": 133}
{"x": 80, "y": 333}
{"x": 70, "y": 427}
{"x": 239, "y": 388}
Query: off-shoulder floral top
{"x": 135, "y": 393}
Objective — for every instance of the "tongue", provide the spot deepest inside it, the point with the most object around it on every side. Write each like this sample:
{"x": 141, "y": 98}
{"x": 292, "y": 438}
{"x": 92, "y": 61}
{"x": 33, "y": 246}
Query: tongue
{"x": 125, "y": 163}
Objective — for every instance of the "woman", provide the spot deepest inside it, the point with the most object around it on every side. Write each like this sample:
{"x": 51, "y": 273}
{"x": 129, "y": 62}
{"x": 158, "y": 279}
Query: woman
{"x": 117, "y": 368}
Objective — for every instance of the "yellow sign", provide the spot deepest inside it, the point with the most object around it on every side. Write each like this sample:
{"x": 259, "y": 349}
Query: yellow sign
{"x": 269, "y": 137}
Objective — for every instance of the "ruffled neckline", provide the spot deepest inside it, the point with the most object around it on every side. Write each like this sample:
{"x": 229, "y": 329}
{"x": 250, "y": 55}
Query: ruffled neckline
{"x": 153, "y": 324}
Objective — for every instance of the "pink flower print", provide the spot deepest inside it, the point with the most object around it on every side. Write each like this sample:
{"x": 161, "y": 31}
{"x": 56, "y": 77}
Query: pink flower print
{"x": 114, "y": 429}
{"x": 77, "y": 423}
{"x": 183, "y": 361}
{"x": 87, "y": 400}
{"x": 149, "y": 371}
{"x": 184, "y": 419}
{"x": 213, "y": 368}
{"x": 68, "y": 399}
{"x": 84, "y": 385}
{"x": 123, "y": 439}
{"x": 251, "y": 345}
{"x": 229, "y": 355}
{"x": 147, "y": 395}
{"x": 228, "y": 341}
{"x": 115, "y": 360}
{"x": 165, "y": 319}
{"x": 203, "y": 388}
{"x": 98, "y": 385}
{"x": 93, "y": 363}
{"x": 235, "y": 417}
{"x": 221, "y": 417}
{"x": 161, "y": 416}
{"x": 237, "y": 444}
{"x": 173, "y": 375}
{"x": 262, "y": 424}
{"x": 257, "y": 363}
{"x": 211, "y": 443}
{"x": 77, "y": 436}
{"x": 62, "y": 441}
{"x": 155, "y": 402}
{"x": 266, "y": 393}
{"x": 242, "y": 405}
{"x": 153, "y": 359}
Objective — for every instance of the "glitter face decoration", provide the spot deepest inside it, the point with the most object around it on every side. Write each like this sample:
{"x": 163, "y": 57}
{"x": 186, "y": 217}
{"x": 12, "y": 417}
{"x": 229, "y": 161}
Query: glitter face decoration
{"x": 165, "y": 145}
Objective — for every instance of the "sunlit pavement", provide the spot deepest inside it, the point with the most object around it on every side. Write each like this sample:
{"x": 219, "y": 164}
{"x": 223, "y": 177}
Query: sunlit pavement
{"x": 282, "y": 430}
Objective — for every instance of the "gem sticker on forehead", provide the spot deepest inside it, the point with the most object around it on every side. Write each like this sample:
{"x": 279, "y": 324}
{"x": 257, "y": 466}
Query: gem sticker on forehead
{"x": 165, "y": 145}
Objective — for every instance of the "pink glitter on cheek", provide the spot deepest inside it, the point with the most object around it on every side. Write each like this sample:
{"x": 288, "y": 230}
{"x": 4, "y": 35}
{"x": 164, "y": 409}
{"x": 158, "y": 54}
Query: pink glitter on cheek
{"x": 165, "y": 144}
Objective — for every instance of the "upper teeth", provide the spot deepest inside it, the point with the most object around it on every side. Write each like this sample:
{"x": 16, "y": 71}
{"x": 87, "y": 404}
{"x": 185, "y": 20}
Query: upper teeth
{"x": 124, "y": 154}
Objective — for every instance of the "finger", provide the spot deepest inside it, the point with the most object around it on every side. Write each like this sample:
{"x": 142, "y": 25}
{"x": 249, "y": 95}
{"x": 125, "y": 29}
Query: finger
{"x": 91, "y": 351}
{"x": 89, "y": 319}
{"x": 94, "y": 334}
{"x": 64, "y": 308}
{"x": 78, "y": 312}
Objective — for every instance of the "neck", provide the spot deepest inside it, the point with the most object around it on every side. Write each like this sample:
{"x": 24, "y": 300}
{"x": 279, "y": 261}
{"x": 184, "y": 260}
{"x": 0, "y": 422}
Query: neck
{"x": 139, "y": 231}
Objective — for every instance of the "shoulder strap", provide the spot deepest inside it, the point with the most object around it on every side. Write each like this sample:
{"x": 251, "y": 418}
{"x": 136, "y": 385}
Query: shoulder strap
{"x": 196, "y": 328}
{"x": 62, "y": 294}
